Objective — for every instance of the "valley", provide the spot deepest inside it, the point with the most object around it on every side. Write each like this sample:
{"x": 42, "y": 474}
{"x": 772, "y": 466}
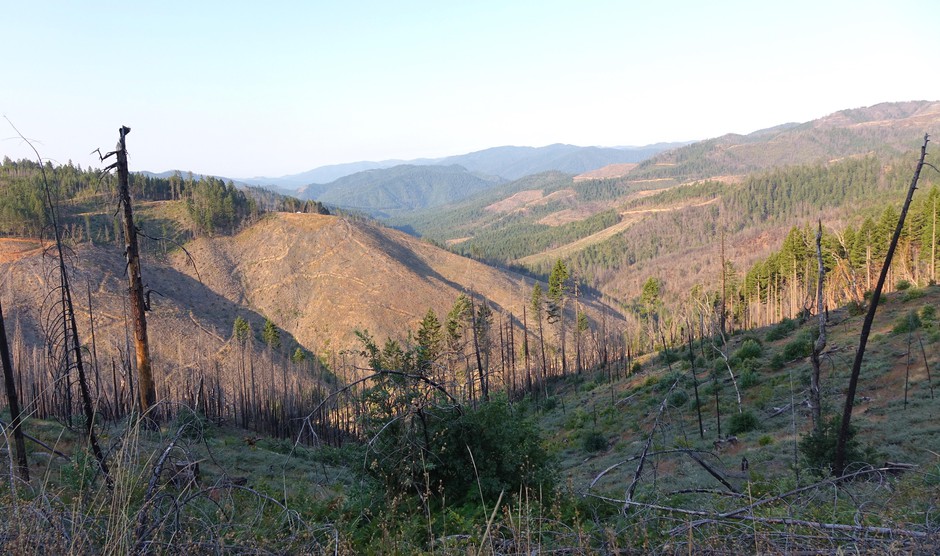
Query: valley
{"x": 517, "y": 350}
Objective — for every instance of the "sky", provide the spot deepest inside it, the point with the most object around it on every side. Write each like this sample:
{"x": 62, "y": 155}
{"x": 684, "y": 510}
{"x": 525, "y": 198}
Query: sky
{"x": 244, "y": 89}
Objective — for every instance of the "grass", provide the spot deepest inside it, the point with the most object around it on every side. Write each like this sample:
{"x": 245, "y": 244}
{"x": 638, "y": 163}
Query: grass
{"x": 266, "y": 494}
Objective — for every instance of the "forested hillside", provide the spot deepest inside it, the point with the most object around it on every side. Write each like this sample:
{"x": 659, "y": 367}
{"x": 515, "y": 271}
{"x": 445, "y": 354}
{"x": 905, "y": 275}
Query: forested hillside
{"x": 87, "y": 202}
{"x": 404, "y": 188}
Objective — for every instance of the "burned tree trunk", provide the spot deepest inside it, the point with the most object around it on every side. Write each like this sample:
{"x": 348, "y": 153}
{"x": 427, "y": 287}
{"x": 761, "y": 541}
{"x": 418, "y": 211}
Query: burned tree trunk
{"x": 815, "y": 400}
{"x": 13, "y": 401}
{"x": 839, "y": 463}
{"x": 145, "y": 381}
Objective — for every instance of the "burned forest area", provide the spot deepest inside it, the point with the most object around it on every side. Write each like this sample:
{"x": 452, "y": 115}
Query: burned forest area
{"x": 729, "y": 346}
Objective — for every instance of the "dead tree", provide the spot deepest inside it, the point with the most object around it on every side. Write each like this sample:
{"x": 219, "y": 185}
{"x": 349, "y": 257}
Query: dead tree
{"x": 148, "y": 395}
{"x": 698, "y": 403}
{"x": 70, "y": 343}
{"x": 18, "y": 442}
{"x": 815, "y": 400}
{"x": 839, "y": 463}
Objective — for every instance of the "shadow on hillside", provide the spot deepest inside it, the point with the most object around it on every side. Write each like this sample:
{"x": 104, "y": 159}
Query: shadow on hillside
{"x": 212, "y": 310}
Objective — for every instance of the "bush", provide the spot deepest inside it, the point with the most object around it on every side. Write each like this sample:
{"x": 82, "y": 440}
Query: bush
{"x": 928, "y": 313}
{"x": 548, "y": 404}
{"x": 593, "y": 442}
{"x": 678, "y": 398}
{"x": 668, "y": 356}
{"x": 801, "y": 346}
{"x": 855, "y": 308}
{"x": 743, "y": 422}
{"x": 781, "y": 330}
{"x": 912, "y": 294}
{"x": 907, "y": 323}
{"x": 765, "y": 440}
{"x": 819, "y": 447}
{"x": 903, "y": 285}
{"x": 750, "y": 349}
{"x": 748, "y": 379}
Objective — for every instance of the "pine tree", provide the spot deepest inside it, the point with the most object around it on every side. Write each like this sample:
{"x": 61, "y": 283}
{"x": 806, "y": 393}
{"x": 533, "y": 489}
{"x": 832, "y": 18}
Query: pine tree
{"x": 271, "y": 335}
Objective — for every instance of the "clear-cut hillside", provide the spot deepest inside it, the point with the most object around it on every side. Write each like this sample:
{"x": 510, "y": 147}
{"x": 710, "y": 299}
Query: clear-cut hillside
{"x": 321, "y": 278}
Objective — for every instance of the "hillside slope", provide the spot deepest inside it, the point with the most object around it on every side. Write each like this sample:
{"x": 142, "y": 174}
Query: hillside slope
{"x": 404, "y": 188}
{"x": 887, "y": 129}
{"x": 323, "y": 277}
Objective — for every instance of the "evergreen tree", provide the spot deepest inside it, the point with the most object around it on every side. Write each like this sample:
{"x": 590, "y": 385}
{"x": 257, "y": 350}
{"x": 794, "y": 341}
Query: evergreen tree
{"x": 271, "y": 335}
{"x": 430, "y": 339}
{"x": 241, "y": 331}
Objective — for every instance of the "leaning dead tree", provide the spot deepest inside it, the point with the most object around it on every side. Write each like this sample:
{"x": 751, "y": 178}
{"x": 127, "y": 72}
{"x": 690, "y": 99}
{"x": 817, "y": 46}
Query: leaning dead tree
{"x": 839, "y": 463}
{"x": 148, "y": 395}
{"x": 815, "y": 399}
{"x": 68, "y": 343}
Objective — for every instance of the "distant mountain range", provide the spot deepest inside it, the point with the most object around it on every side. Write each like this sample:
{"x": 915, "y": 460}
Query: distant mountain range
{"x": 508, "y": 163}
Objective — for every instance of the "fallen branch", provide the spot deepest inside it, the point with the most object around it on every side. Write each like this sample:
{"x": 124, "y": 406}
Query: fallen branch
{"x": 712, "y": 472}
{"x": 42, "y": 444}
{"x": 633, "y": 458}
{"x": 649, "y": 442}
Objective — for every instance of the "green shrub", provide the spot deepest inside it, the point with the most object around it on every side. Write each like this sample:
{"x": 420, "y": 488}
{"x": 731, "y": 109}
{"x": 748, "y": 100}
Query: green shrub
{"x": 819, "y": 447}
{"x": 666, "y": 382}
{"x": 750, "y": 349}
{"x": 748, "y": 379}
{"x": 636, "y": 368}
{"x": 928, "y": 313}
{"x": 800, "y": 347}
{"x": 490, "y": 448}
{"x": 668, "y": 356}
{"x": 912, "y": 294}
{"x": 781, "y": 330}
{"x": 678, "y": 398}
{"x": 548, "y": 404}
{"x": 593, "y": 442}
{"x": 743, "y": 422}
{"x": 903, "y": 285}
{"x": 907, "y": 323}
{"x": 855, "y": 308}
{"x": 765, "y": 440}
{"x": 777, "y": 362}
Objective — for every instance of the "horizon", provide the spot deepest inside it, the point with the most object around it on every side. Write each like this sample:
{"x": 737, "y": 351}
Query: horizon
{"x": 248, "y": 91}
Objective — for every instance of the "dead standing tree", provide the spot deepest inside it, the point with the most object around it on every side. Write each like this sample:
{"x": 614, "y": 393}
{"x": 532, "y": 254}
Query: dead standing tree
{"x": 839, "y": 463}
{"x": 815, "y": 400}
{"x": 148, "y": 396}
{"x": 14, "y": 403}
{"x": 64, "y": 316}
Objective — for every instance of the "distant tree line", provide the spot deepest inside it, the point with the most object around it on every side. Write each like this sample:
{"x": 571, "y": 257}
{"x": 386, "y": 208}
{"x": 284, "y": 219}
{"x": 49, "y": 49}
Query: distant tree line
{"x": 87, "y": 201}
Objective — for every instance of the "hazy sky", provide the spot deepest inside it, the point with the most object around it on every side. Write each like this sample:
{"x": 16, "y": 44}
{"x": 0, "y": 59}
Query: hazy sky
{"x": 243, "y": 89}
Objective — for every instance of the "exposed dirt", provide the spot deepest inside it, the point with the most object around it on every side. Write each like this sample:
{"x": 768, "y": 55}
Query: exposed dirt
{"x": 607, "y": 172}
{"x": 628, "y": 218}
{"x": 321, "y": 278}
{"x": 516, "y": 202}
{"x": 14, "y": 249}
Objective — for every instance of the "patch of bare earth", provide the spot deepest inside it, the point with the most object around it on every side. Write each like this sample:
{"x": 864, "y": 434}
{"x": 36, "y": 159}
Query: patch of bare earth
{"x": 627, "y": 218}
{"x": 322, "y": 278}
{"x": 607, "y": 172}
{"x": 516, "y": 202}
{"x": 13, "y": 249}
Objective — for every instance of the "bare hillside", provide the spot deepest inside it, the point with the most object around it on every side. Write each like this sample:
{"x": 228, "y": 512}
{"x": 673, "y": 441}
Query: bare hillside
{"x": 321, "y": 278}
